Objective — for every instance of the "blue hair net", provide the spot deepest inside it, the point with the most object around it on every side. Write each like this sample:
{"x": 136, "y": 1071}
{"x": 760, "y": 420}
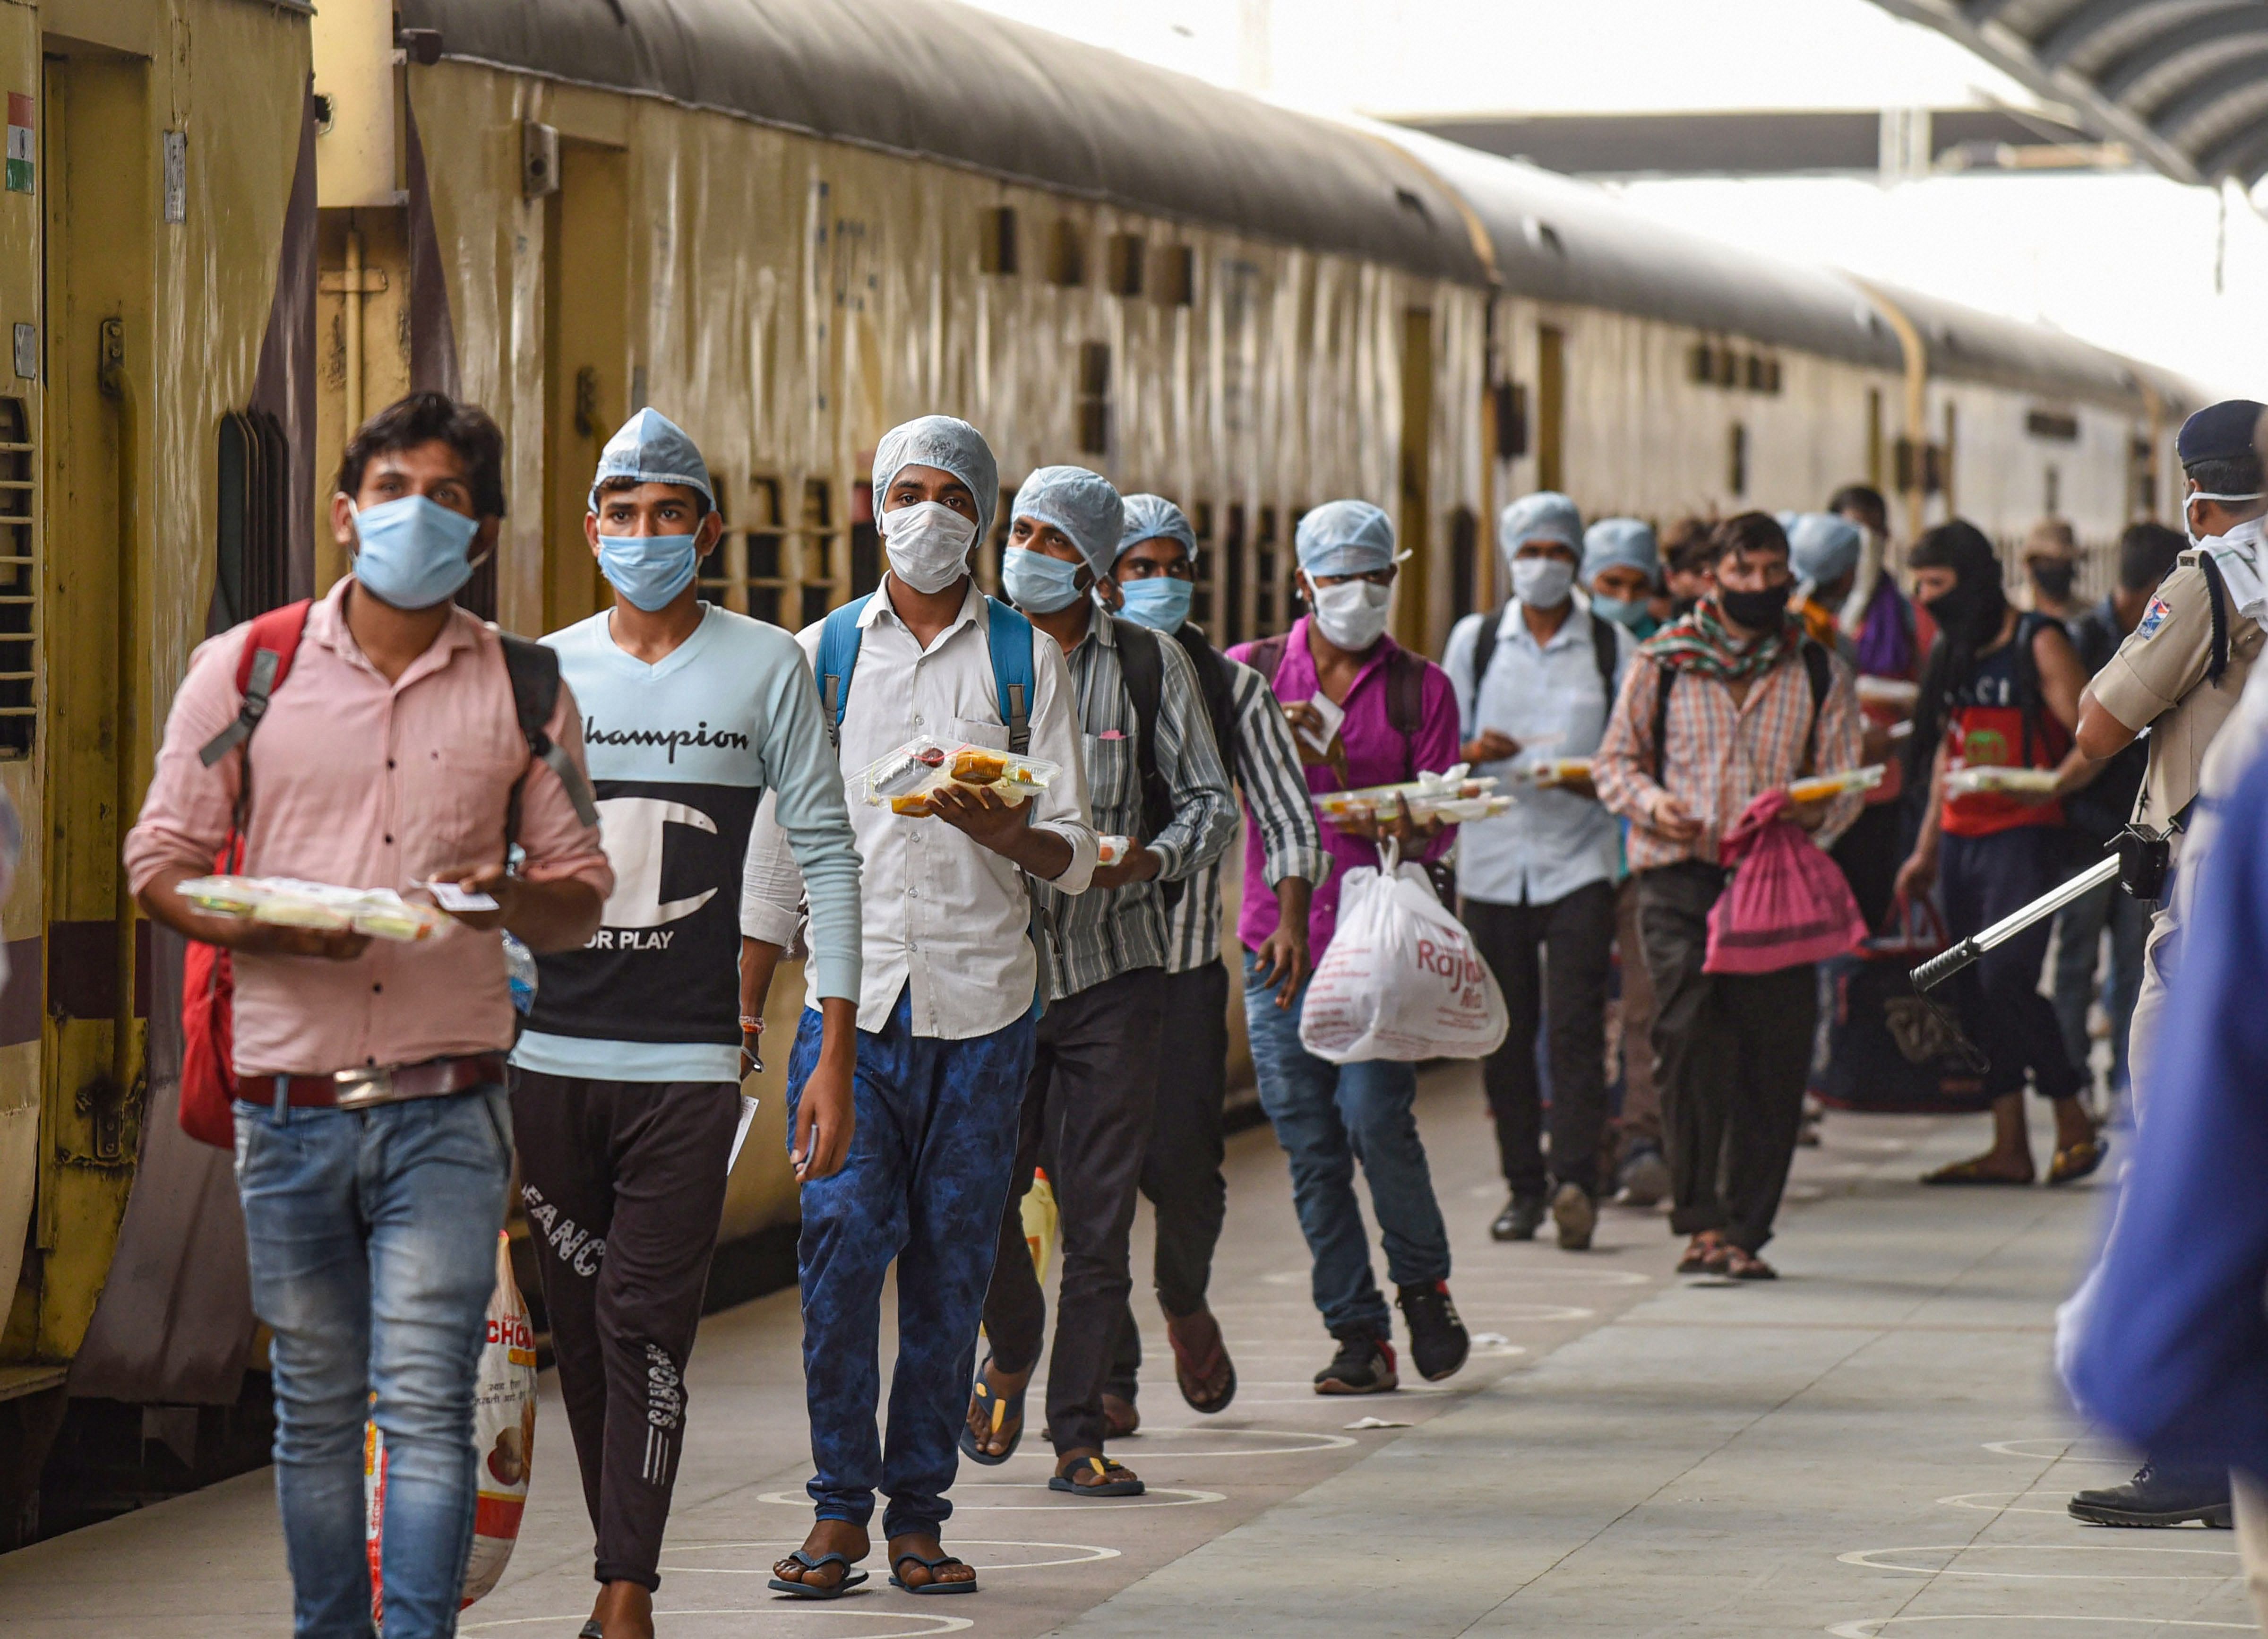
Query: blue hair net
{"x": 1621, "y": 544}
{"x": 1079, "y": 503}
{"x": 1345, "y": 538}
{"x": 651, "y": 448}
{"x": 1546, "y": 515}
{"x": 1823, "y": 548}
{"x": 1155, "y": 518}
{"x": 949, "y": 445}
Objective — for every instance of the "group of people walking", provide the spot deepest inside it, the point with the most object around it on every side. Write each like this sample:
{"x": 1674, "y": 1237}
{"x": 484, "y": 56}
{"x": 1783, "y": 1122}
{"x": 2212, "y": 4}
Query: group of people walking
{"x": 988, "y": 982}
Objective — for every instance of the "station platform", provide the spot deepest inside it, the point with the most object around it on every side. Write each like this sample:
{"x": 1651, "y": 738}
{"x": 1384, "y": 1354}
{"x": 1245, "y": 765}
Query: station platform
{"x": 1871, "y": 1446}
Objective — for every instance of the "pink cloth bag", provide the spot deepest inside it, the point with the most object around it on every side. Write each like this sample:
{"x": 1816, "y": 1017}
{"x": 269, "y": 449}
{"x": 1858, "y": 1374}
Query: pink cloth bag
{"x": 1787, "y": 903}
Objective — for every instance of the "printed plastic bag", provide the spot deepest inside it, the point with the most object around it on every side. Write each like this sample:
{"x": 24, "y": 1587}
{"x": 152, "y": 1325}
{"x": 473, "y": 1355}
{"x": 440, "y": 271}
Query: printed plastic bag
{"x": 1401, "y": 981}
{"x": 504, "y": 1437}
{"x": 1787, "y": 903}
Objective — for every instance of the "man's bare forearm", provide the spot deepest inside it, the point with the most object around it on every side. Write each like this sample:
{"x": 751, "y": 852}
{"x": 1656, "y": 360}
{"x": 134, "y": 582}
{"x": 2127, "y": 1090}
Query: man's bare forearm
{"x": 548, "y": 917}
{"x": 1040, "y": 852}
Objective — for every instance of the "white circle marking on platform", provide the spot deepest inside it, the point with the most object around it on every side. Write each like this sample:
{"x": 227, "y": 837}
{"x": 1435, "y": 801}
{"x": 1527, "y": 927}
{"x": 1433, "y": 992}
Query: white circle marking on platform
{"x": 1515, "y": 1274}
{"x": 1871, "y": 1627}
{"x": 1311, "y": 1440}
{"x": 774, "y": 1606}
{"x": 1081, "y": 1554}
{"x": 1866, "y": 1559}
{"x": 1534, "y": 1314}
{"x": 1179, "y": 1498}
{"x": 2068, "y": 1454}
{"x": 1975, "y": 1499}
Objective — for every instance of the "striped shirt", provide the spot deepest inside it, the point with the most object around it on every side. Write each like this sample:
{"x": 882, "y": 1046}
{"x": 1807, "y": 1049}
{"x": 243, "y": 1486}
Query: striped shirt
{"x": 1276, "y": 791}
{"x": 1087, "y": 938}
{"x": 1721, "y": 757}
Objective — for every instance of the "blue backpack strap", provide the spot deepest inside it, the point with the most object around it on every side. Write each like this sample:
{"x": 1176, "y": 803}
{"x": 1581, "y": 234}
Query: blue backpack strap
{"x": 1013, "y": 683}
{"x": 838, "y": 658}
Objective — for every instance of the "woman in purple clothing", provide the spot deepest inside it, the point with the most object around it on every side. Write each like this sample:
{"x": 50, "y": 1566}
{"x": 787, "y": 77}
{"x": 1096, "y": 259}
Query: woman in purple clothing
{"x": 1399, "y": 717}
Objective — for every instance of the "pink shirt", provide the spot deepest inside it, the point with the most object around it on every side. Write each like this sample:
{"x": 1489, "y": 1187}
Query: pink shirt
{"x": 1376, "y": 755}
{"x": 367, "y": 784}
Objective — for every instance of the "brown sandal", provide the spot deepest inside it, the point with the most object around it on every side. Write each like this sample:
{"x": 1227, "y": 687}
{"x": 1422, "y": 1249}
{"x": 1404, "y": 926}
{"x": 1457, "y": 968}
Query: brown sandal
{"x": 1972, "y": 1171}
{"x": 1742, "y": 1265}
{"x": 1704, "y": 1254}
{"x": 2076, "y": 1161}
{"x": 1201, "y": 1359}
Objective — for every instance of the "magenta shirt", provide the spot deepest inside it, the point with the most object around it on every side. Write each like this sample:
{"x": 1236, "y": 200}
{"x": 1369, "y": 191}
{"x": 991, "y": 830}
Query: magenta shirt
{"x": 1376, "y": 755}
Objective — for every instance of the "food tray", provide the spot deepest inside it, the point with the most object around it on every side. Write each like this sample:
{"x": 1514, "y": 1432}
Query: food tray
{"x": 288, "y": 901}
{"x": 1454, "y": 796}
{"x": 1819, "y": 787}
{"x": 1558, "y": 771}
{"x": 903, "y": 780}
{"x": 1889, "y": 691}
{"x": 1965, "y": 782}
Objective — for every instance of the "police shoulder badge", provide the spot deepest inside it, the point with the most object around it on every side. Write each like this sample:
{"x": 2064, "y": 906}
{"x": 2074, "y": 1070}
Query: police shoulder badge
{"x": 2152, "y": 617}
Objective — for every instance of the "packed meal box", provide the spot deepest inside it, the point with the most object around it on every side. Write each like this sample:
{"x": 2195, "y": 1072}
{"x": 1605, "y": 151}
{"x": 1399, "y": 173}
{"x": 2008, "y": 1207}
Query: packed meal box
{"x": 1453, "y": 798}
{"x": 1819, "y": 787}
{"x": 904, "y": 780}
{"x": 1963, "y": 782}
{"x": 288, "y": 901}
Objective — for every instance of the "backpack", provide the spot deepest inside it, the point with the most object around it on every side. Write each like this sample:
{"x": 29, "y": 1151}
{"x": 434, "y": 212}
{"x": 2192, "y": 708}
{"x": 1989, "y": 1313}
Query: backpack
{"x": 1008, "y": 634}
{"x": 1605, "y": 649}
{"x": 208, "y": 973}
{"x": 1217, "y": 682}
{"x": 1815, "y": 670}
{"x": 1142, "y": 666}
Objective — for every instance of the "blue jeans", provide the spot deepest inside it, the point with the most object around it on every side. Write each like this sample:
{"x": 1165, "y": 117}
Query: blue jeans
{"x": 1328, "y": 1116}
{"x": 373, "y": 1241}
{"x": 925, "y": 1182}
{"x": 2080, "y": 936}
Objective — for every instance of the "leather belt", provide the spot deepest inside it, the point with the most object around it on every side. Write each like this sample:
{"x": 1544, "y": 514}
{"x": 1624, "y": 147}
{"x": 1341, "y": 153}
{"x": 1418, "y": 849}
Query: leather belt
{"x": 391, "y": 1084}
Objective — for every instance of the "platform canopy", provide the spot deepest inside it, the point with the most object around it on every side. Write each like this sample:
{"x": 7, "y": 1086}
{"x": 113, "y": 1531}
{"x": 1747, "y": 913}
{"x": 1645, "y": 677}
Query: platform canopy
{"x": 2183, "y": 83}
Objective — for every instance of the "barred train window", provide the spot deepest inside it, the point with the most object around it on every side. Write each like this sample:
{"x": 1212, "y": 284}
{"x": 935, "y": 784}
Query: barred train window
{"x": 18, "y": 585}
{"x": 777, "y": 571}
{"x": 252, "y": 537}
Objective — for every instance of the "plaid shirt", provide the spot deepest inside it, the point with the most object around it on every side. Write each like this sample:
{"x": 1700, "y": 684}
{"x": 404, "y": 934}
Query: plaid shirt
{"x": 1721, "y": 757}
{"x": 1276, "y": 790}
{"x": 1085, "y": 939}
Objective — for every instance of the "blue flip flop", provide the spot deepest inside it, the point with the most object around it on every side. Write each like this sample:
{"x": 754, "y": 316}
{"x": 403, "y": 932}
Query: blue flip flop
{"x": 1115, "y": 1480}
{"x": 933, "y": 1567}
{"x": 805, "y": 1591}
{"x": 982, "y": 1396}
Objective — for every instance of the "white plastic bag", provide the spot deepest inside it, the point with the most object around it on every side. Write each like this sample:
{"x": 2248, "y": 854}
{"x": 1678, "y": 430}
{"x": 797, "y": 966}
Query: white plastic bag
{"x": 504, "y": 1437}
{"x": 1402, "y": 980}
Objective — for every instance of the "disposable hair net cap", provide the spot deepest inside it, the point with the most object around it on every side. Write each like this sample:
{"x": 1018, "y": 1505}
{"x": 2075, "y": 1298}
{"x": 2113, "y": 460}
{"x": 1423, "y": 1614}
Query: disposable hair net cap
{"x": 1546, "y": 515}
{"x": 948, "y": 445}
{"x": 1823, "y": 548}
{"x": 1346, "y": 538}
{"x": 1079, "y": 503}
{"x": 1155, "y": 518}
{"x": 1621, "y": 544}
{"x": 651, "y": 449}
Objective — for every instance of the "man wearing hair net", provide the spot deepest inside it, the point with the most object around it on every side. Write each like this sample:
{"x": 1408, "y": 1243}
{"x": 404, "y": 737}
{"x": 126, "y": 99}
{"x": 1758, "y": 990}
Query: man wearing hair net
{"x": 1536, "y": 679}
{"x": 1367, "y": 712}
{"x": 1622, "y": 571}
{"x": 1822, "y": 554}
{"x": 945, "y": 996}
{"x": 627, "y": 1084}
{"x": 1155, "y": 575}
{"x": 1155, "y": 778}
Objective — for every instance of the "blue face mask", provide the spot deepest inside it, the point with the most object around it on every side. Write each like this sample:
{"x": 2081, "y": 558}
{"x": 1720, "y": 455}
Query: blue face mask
{"x": 1160, "y": 603}
{"x": 412, "y": 551}
{"x": 1036, "y": 583}
{"x": 1621, "y": 611}
{"x": 649, "y": 570}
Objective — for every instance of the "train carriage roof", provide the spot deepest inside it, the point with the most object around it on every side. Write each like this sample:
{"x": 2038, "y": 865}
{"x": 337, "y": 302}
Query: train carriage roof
{"x": 945, "y": 82}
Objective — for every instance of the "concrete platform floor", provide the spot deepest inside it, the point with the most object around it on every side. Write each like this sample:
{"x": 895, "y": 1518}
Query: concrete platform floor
{"x": 1870, "y": 1447}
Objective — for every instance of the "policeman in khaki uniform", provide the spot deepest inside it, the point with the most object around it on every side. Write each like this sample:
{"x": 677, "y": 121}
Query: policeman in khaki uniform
{"x": 2180, "y": 673}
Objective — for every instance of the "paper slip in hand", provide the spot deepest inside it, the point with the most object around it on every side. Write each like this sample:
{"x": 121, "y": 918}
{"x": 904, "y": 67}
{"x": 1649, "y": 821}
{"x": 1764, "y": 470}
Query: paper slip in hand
{"x": 449, "y": 896}
{"x": 1332, "y": 714}
{"x": 740, "y": 1133}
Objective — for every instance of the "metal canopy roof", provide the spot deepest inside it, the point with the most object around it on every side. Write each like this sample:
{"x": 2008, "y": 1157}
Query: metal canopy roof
{"x": 948, "y": 83}
{"x": 2184, "y": 82}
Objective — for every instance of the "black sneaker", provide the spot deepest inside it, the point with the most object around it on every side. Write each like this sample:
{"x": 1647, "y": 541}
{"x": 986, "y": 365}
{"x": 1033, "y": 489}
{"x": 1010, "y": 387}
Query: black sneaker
{"x": 2155, "y": 1498}
{"x": 1438, "y": 1341}
{"x": 1521, "y": 1217}
{"x": 1364, "y": 1365}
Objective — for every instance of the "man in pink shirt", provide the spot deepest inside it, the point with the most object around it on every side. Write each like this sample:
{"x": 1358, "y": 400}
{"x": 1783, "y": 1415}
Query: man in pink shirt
{"x": 374, "y": 1136}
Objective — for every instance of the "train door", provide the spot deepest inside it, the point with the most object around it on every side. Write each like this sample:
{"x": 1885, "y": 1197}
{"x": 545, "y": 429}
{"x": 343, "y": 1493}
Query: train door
{"x": 1412, "y": 604}
{"x": 100, "y": 201}
{"x": 586, "y": 361}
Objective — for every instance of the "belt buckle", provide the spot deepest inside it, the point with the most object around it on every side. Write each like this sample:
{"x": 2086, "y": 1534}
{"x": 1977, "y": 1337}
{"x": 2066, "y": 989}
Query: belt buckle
{"x": 357, "y": 1087}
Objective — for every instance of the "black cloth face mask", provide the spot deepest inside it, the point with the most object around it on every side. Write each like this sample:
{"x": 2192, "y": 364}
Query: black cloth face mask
{"x": 2054, "y": 576}
{"x": 1970, "y": 613}
{"x": 1757, "y": 611}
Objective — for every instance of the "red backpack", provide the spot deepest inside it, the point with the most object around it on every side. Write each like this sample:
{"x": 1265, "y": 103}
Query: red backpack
{"x": 207, "y": 976}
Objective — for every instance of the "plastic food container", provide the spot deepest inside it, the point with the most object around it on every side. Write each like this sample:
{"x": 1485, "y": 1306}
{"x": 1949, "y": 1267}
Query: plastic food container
{"x": 1819, "y": 787}
{"x": 1558, "y": 771}
{"x": 904, "y": 780}
{"x": 1114, "y": 850}
{"x": 288, "y": 901}
{"x": 1964, "y": 782}
{"x": 1895, "y": 692}
{"x": 1454, "y": 796}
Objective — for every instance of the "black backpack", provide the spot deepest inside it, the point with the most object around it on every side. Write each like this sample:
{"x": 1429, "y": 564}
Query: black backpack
{"x": 1815, "y": 670}
{"x": 1142, "y": 666}
{"x": 1606, "y": 648}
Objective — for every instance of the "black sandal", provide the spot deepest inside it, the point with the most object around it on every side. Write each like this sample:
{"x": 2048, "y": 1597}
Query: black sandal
{"x": 1116, "y": 1480}
{"x": 805, "y": 1591}
{"x": 933, "y": 1567}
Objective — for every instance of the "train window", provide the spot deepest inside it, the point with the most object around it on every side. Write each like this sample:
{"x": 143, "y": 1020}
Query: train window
{"x": 774, "y": 569}
{"x": 252, "y": 539}
{"x": 1701, "y": 364}
{"x": 1232, "y": 558}
{"x": 1177, "y": 276}
{"x": 1464, "y": 560}
{"x": 2054, "y": 425}
{"x": 1067, "y": 254}
{"x": 1771, "y": 375}
{"x": 1094, "y": 398}
{"x": 1127, "y": 254}
{"x": 1737, "y": 462}
{"x": 866, "y": 543}
{"x": 1511, "y": 421}
{"x": 1263, "y": 573}
{"x": 19, "y": 583}
{"x": 2142, "y": 479}
{"x": 996, "y": 250}
{"x": 2054, "y": 488}
{"x": 1201, "y": 601}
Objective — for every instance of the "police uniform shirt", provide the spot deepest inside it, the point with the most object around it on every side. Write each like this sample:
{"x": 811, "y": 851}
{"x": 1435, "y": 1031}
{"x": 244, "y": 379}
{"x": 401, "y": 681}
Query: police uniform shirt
{"x": 2157, "y": 680}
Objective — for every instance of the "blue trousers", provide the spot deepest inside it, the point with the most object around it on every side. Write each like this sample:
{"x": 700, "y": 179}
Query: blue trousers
{"x": 1328, "y": 1116}
{"x": 371, "y": 1236}
{"x": 925, "y": 1184}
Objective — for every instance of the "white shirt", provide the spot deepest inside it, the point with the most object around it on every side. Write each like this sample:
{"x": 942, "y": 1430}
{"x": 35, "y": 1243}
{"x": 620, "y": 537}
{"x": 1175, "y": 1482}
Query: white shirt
{"x": 1552, "y": 842}
{"x": 939, "y": 913}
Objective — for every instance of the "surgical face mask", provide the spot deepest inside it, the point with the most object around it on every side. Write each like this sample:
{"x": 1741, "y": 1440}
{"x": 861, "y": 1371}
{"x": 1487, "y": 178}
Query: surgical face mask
{"x": 928, "y": 544}
{"x": 1756, "y": 611}
{"x": 1623, "y": 611}
{"x": 1352, "y": 614}
{"x": 411, "y": 551}
{"x": 2190, "y": 502}
{"x": 1160, "y": 603}
{"x": 649, "y": 570}
{"x": 1541, "y": 582}
{"x": 1036, "y": 583}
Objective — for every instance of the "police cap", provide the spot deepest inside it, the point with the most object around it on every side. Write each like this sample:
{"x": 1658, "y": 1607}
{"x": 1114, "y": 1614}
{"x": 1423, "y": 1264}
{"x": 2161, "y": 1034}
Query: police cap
{"x": 2221, "y": 431}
